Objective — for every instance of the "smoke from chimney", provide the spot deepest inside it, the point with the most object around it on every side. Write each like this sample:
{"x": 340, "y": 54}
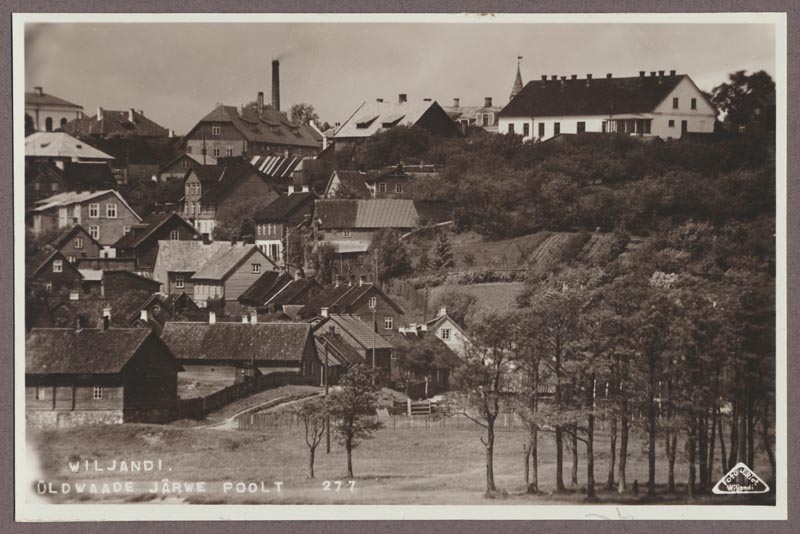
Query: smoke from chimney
{"x": 276, "y": 84}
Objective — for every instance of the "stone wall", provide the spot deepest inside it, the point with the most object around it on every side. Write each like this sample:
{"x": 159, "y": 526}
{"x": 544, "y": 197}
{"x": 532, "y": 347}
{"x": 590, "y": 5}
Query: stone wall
{"x": 66, "y": 419}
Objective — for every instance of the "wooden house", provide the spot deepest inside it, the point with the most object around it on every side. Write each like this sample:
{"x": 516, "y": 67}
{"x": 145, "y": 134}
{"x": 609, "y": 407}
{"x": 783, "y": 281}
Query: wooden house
{"x": 450, "y": 332}
{"x": 361, "y": 337}
{"x": 98, "y": 376}
{"x": 179, "y": 166}
{"x": 414, "y": 349}
{"x": 275, "y": 223}
{"x": 278, "y": 292}
{"x": 76, "y": 243}
{"x": 142, "y": 240}
{"x": 50, "y": 270}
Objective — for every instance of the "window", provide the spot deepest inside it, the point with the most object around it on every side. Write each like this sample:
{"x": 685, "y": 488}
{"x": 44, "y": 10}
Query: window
{"x": 97, "y": 393}
{"x": 675, "y": 103}
{"x": 346, "y": 233}
{"x": 372, "y": 302}
{"x": 694, "y": 103}
{"x": 53, "y": 186}
{"x": 511, "y": 128}
{"x": 126, "y": 229}
{"x": 186, "y": 163}
{"x": 273, "y": 251}
{"x": 388, "y": 322}
{"x": 179, "y": 281}
{"x": 541, "y": 129}
{"x": 94, "y": 231}
{"x": 526, "y": 130}
{"x": 229, "y": 150}
{"x": 445, "y": 333}
{"x": 58, "y": 266}
{"x": 174, "y": 235}
{"x": 41, "y": 393}
{"x": 78, "y": 242}
{"x": 581, "y": 127}
{"x": 215, "y": 129}
{"x": 215, "y": 151}
{"x": 48, "y": 124}
{"x": 71, "y": 259}
{"x": 381, "y": 188}
{"x": 398, "y": 188}
{"x": 94, "y": 211}
{"x": 556, "y": 128}
{"x": 671, "y": 123}
{"x": 63, "y": 122}
{"x": 255, "y": 268}
{"x": 49, "y": 286}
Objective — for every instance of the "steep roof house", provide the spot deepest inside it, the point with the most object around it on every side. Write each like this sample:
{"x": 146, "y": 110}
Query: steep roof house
{"x": 59, "y": 148}
{"x": 48, "y": 112}
{"x": 177, "y": 261}
{"x": 659, "y": 105}
{"x": 76, "y": 242}
{"x": 99, "y": 376}
{"x": 137, "y": 158}
{"x": 360, "y": 336}
{"x": 160, "y": 308}
{"x": 283, "y": 171}
{"x": 237, "y": 351}
{"x": 442, "y": 361}
{"x": 88, "y": 176}
{"x": 335, "y": 354}
{"x": 379, "y": 115}
{"x": 391, "y": 182}
{"x": 105, "y": 213}
{"x": 481, "y": 116}
{"x": 52, "y": 271}
{"x": 277, "y": 222}
{"x": 108, "y": 124}
{"x": 141, "y": 242}
{"x": 276, "y": 292}
{"x": 177, "y": 167}
{"x": 450, "y": 332}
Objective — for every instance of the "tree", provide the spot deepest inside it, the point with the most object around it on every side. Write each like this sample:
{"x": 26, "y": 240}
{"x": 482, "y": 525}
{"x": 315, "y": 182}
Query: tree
{"x": 352, "y": 407}
{"x": 747, "y": 100}
{"x": 303, "y": 113}
{"x": 459, "y": 304}
{"x": 313, "y": 415}
{"x": 416, "y": 362}
{"x": 234, "y": 217}
{"x": 442, "y": 256}
{"x": 322, "y": 261}
{"x": 394, "y": 260}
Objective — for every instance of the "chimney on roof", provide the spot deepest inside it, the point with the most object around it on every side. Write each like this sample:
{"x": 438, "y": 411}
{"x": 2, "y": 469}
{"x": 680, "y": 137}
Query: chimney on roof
{"x": 661, "y": 74}
{"x": 672, "y": 73}
{"x": 244, "y": 319}
{"x": 379, "y": 100}
{"x": 38, "y": 90}
{"x": 653, "y": 73}
{"x": 563, "y": 81}
{"x": 305, "y": 189}
{"x": 487, "y": 101}
{"x": 641, "y": 74}
{"x": 362, "y": 279}
{"x": 554, "y": 77}
{"x": 456, "y": 102}
{"x": 544, "y": 77}
{"x": 171, "y": 133}
{"x": 402, "y": 97}
{"x": 260, "y": 103}
{"x": 78, "y": 323}
{"x": 427, "y": 99}
{"x": 588, "y": 80}
{"x": 276, "y": 84}
{"x": 99, "y": 114}
{"x": 212, "y": 317}
{"x": 337, "y": 280}
{"x": 574, "y": 76}
{"x": 131, "y": 113}
{"x": 608, "y": 75}
{"x": 323, "y": 311}
{"x": 290, "y": 190}
{"x": 143, "y": 315}
{"x": 254, "y": 317}
{"x": 442, "y": 311}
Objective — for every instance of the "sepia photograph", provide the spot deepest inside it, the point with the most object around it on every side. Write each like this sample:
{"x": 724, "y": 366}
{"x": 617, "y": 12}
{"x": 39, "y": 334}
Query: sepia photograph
{"x": 425, "y": 266}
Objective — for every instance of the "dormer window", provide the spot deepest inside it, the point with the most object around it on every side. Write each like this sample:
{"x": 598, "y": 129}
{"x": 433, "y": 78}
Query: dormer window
{"x": 215, "y": 129}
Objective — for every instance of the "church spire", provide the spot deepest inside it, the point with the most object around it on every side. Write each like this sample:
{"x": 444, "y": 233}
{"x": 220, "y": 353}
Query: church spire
{"x": 517, "y": 82}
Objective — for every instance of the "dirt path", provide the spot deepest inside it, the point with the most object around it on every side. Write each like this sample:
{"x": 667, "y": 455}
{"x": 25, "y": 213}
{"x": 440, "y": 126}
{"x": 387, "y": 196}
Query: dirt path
{"x": 231, "y": 422}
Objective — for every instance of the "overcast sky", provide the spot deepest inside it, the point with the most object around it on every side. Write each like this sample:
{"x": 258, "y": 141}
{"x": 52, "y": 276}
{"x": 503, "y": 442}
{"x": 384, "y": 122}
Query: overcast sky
{"x": 176, "y": 73}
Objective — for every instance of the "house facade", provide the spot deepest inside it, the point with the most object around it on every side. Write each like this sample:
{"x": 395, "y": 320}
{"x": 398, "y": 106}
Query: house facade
{"x": 48, "y": 112}
{"x": 142, "y": 241}
{"x": 450, "y": 332}
{"x": 485, "y": 116}
{"x": 50, "y": 270}
{"x": 655, "y": 105}
{"x": 362, "y": 338}
{"x": 105, "y": 214}
{"x": 76, "y": 243}
{"x": 98, "y": 376}
{"x": 278, "y": 292}
{"x": 177, "y": 260}
{"x": 108, "y": 124}
{"x": 42, "y": 179}
{"x": 178, "y": 167}
{"x": 279, "y": 220}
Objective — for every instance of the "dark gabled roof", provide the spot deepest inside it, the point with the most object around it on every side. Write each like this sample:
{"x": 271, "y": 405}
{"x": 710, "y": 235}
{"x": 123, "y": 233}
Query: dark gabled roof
{"x": 237, "y": 341}
{"x": 264, "y": 288}
{"x": 336, "y": 213}
{"x": 88, "y": 176}
{"x": 45, "y": 99}
{"x": 323, "y": 299}
{"x": 68, "y": 235}
{"x": 226, "y": 260}
{"x": 272, "y": 127}
{"x": 42, "y": 259}
{"x": 342, "y": 298}
{"x": 293, "y": 293}
{"x": 219, "y": 180}
{"x": 354, "y": 181}
{"x": 283, "y": 207}
{"x": 372, "y": 213}
{"x": 115, "y": 123}
{"x": 86, "y": 351}
{"x": 339, "y": 351}
{"x": 153, "y": 222}
{"x": 123, "y": 304}
{"x": 444, "y": 357}
{"x": 363, "y": 334}
{"x": 602, "y": 96}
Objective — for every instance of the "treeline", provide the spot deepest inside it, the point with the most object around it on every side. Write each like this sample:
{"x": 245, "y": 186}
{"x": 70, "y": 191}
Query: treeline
{"x": 675, "y": 344}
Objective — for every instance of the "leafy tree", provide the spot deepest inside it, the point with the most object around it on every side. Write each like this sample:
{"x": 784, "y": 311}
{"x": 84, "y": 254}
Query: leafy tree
{"x": 392, "y": 146}
{"x": 442, "y": 256}
{"x": 415, "y": 362}
{"x": 322, "y": 260}
{"x": 460, "y": 305}
{"x": 394, "y": 259}
{"x": 352, "y": 406}
{"x": 747, "y": 100}
{"x": 423, "y": 261}
{"x": 303, "y": 113}
{"x": 233, "y": 217}
{"x": 313, "y": 414}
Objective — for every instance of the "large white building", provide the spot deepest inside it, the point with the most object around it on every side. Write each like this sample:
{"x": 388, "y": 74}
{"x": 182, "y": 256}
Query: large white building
{"x": 658, "y": 104}
{"x": 48, "y": 112}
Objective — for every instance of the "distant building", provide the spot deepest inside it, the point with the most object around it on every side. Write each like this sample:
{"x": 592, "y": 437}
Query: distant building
{"x": 361, "y": 337}
{"x": 142, "y": 240}
{"x": 277, "y": 222}
{"x": 177, "y": 168}
{"x": 278, "y": 292}
{"x": 42, "y": 179}
{"x": 450, "y": 332}
{"x": 109, "y": 124}
{"x": 52, "y": 271}
{"x": 60, "y": 148}
{"x": 76, "y": 243}
{"x": 177, "y": 261}
{"x": 485, "y": 116}
{"x": 159, "y": 308}
{"x": 48, "y": 112}
{"x": 391, "y": 182}
{"x": 444, "y": 361}
{"x": 284, "y": 172}
{"x": 659, "y": 105}
{"x": 98, "y": 376}
{"x": 377, "y": 116}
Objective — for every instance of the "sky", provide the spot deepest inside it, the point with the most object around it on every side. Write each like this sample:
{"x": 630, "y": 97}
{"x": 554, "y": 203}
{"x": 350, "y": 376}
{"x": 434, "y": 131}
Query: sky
{"x": 178, "y": 72}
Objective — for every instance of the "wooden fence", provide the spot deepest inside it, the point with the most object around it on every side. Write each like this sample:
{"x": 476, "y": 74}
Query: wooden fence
{"x": 199, "y": 407}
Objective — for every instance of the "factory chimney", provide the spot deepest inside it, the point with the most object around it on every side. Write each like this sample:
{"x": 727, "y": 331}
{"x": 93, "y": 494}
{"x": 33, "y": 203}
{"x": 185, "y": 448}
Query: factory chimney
{"x": 276, "y": 85}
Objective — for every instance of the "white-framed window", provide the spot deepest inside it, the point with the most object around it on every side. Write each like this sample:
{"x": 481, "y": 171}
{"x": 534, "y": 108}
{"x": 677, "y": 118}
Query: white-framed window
{"x": 41, "y": 393}
{"x": 445, "y": 333}
{"x": 94, "y": 211}
{"x": 229, "y": 150}
{"x": 49, "y": 286}
{"x": 372, "y": 302}
{"x": 694, "y": 103}
{"x": 62, "y": 217}
{"x": 215, "y": 151}
{"x": 215, "y": 129}
{"x": 58, "y": 266}
{"x": 97, "y": 392}
{"x": 78, "y": 242}
{"x": 255, "y": 268}
{"x": 126, "y": 229}
{"x": 94, "y": 231}
{"x": 346, "y": 233}
{"x": 675, "y": 101}
{"x": 381, "y": 188}
{"x": 174, "y": 235}
{"x": 111, "y": 211}
{"x": 71, "y": 259}
{"x": 179, "y": 281}
{"x": 398, "y": 188}
{"x": 388, "y": 322}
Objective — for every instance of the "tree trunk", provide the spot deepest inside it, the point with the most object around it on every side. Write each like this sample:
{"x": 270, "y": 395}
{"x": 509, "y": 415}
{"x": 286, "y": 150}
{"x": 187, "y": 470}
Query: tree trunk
{"x": 766, "y": 441}
{"x": 671, "y": 444}
{"x": 526, "y": 460}
{"x": 590, "y": 492}
{"x": 349, "y": 448}
{"x": 559, "y": 458}
{"x": 612, "y": 454}
{"x": 491, "y": 490}
{"x": 733, "y": 456}
{"x": 703, "y": 448}
{"x": 651, "y": 432}
{"x": 533, "y": 486}
{"x": 751, "y": 431}
{"x": 692, "y": 446}
{"x": 712, "y": 445}
{"x": 723, "y": 459}
{"x": 622, "y": 485}
{"x": 575, "y": 456}
{"x": 311, "y": 462}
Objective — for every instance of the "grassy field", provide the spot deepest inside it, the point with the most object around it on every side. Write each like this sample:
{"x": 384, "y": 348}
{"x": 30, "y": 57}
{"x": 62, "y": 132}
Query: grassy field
{"x": 492, "y": 296}
{"x": 396, "y": 467}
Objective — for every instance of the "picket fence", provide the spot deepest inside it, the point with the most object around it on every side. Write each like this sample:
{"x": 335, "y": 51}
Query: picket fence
{"x": 199, "y": 407}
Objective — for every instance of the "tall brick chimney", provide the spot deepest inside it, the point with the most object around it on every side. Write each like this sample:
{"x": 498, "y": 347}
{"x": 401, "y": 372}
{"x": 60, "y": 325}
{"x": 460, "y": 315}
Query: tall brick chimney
{"x": 276, "y": 84}
{"x": 260, "y": 103}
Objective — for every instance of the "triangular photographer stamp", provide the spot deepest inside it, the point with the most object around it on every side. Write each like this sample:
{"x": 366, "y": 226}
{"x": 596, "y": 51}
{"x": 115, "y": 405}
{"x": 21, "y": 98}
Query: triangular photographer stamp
{"x": 739, "y": 480}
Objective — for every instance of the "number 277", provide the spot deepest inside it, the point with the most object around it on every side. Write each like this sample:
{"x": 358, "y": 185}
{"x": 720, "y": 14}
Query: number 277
{"x": 337, "y": 485}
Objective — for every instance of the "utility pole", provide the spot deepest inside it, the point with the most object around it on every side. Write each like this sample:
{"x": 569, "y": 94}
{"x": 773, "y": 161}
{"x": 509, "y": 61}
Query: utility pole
{"x": 327, "y": 416}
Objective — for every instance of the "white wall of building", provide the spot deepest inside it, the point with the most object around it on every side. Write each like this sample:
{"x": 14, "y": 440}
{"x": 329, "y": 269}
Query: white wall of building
{"x": 56, "y": 114}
